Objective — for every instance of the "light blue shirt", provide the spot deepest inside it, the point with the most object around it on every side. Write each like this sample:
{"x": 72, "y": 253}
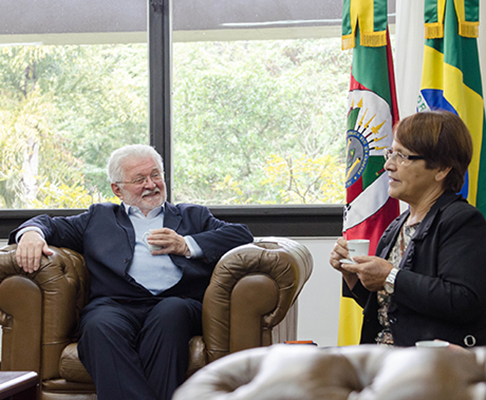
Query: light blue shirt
{"x": 156, "y": 273}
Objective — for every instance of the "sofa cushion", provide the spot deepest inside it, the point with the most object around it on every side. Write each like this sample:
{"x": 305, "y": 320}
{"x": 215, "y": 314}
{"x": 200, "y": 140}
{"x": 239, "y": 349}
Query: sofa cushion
{"x": 281, "y": 372}
{"x": 70, "y": 367}
{"x": 368, "y": 372}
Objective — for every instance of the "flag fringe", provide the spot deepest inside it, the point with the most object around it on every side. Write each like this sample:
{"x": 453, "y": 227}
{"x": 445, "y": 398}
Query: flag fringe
{"x": 368, "y": 39}
{"x": 348, "y": 42}
{"x": 469, "y": 29}
{"x": 434, "y": 30}
{"x": 373, "y": 39}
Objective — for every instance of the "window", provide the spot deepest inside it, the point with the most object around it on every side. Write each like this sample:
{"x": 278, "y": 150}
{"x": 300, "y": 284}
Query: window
{"x": 260, "y": 121}
{"x": 256, "y": 121}
{"x": 73, "y": 86}
{"x": 259, "y": 103}
{"x": 254, "y": 147}
{"x": 63, "y": 110}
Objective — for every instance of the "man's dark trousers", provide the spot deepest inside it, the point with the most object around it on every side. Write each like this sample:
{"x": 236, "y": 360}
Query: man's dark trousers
{"x": 144, "y": 342}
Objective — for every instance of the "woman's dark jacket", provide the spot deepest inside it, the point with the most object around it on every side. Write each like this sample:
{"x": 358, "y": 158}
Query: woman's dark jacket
{"x": 440, "y": 290}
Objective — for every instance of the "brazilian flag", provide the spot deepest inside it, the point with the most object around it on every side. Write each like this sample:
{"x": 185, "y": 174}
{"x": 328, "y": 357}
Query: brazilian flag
{"x": 451, "y": 79}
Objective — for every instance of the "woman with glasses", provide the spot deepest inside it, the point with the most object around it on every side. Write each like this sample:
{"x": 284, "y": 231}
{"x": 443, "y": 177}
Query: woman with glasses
{"x": 428, "y": 278}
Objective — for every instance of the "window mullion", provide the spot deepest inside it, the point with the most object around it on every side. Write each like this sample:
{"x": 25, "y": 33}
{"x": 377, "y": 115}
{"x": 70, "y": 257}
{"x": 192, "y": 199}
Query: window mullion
{"x": 160, "y": 82}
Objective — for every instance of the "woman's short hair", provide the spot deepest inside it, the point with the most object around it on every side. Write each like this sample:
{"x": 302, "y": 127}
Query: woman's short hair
{"x": 117, "y": 158}
{"x": 442, "y": 138}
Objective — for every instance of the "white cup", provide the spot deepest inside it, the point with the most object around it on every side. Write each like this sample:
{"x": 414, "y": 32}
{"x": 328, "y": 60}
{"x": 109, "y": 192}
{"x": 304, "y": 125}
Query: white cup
{"x": 437, "y": 344}
{"x": 151, "y": 247}
{"x": 358, "y": 247}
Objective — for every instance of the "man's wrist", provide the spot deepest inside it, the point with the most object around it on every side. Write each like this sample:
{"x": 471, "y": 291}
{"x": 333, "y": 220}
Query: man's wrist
{"x": 28, "y": 229}
{"x": 194, "y": 249}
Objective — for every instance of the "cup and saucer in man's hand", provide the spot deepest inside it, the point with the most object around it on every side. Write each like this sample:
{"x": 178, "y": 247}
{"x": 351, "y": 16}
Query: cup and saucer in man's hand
{"x": 151, "y": 247}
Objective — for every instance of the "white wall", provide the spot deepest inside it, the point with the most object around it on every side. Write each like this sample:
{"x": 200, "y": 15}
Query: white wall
{"x": 318, "y": 311}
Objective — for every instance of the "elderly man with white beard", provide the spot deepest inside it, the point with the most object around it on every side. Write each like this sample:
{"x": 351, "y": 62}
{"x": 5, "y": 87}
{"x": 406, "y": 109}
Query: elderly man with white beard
{"x": 150, "y": 263}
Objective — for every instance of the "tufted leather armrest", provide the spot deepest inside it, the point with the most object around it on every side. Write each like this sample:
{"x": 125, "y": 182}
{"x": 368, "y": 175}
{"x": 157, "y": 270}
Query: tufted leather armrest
{"x": 251, "y": 290}
{"x": 40, "y": 310}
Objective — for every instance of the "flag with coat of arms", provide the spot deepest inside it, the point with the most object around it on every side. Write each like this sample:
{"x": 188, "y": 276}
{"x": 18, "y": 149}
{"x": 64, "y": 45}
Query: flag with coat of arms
{"x": 372, "y": 113}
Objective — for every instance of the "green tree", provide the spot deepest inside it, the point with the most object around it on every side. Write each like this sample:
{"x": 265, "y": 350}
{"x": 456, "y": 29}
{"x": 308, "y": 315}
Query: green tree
{"x": 31, "y": 149}
{"x": 306, "y": 180}
{"x": 63, "y": 110}
{"x": 103, "y": 105}
{"x": 236, "y": 104}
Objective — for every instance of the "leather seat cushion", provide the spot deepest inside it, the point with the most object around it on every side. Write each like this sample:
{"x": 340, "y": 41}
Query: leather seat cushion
{"x": 367, "y": 372}
{"x": 70, "y": 367}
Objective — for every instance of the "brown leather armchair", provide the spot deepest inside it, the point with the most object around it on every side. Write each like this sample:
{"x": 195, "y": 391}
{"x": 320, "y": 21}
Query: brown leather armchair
{"x": 251, "y": 291}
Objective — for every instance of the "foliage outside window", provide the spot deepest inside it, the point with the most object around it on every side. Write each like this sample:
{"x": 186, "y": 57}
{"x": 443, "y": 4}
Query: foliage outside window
{"x": 63, "y": 109}
{"x": 255, "y": 122}
{"x": 260, "y": 122}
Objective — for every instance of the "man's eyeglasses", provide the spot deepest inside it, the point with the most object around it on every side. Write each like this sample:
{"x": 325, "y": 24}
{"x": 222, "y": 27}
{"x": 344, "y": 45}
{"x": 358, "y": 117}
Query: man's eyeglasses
{"x": 401, "y": 158}
{"x": 154, "y": 177}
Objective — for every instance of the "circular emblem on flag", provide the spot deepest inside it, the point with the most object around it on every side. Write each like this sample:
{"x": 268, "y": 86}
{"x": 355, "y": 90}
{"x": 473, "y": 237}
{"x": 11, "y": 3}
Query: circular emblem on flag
{"x": 358, "y": 153}
{"x": 369, "y": 132}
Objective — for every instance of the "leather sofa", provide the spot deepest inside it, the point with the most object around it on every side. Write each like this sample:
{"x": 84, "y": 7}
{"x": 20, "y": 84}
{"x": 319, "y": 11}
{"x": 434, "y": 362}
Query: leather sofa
{"x": 366, "y": 372}
{"x": 251, "y": 291}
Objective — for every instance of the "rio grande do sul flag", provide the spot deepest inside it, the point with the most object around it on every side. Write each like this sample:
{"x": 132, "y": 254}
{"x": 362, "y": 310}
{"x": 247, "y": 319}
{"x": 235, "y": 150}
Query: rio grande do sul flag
{"x": 451, "y": 80}
{"x": 372, "y": 113}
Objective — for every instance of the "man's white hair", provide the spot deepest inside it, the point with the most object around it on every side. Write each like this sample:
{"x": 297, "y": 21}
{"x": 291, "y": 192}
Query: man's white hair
{"x": 118, "y": 157}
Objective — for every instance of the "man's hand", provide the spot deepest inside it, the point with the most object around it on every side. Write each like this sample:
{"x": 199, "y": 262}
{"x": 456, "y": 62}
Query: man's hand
{"x": 371, "y": 271}
{"x": 170, "y": 241}
{"x": 30, "y": 248}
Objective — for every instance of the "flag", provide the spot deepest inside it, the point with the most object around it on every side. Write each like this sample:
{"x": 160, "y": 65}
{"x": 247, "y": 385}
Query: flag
{"x": 372, "y": 113}
{"x": 371, "y": 17}
{"x": 467, "y": 12}
{"x": 451, "y": 80}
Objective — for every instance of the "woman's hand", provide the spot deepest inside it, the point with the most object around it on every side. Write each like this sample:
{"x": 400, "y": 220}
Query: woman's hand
{"x": 338, "y": 253}
{"x": 370, "y": 270}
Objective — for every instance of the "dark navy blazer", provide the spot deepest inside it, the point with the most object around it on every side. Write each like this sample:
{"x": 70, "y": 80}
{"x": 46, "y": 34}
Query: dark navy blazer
{"x": 105, "y": 237}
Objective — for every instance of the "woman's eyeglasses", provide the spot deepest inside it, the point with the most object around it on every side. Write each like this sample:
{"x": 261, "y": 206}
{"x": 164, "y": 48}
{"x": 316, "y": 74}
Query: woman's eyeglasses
{"x": 401, "y": 158}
